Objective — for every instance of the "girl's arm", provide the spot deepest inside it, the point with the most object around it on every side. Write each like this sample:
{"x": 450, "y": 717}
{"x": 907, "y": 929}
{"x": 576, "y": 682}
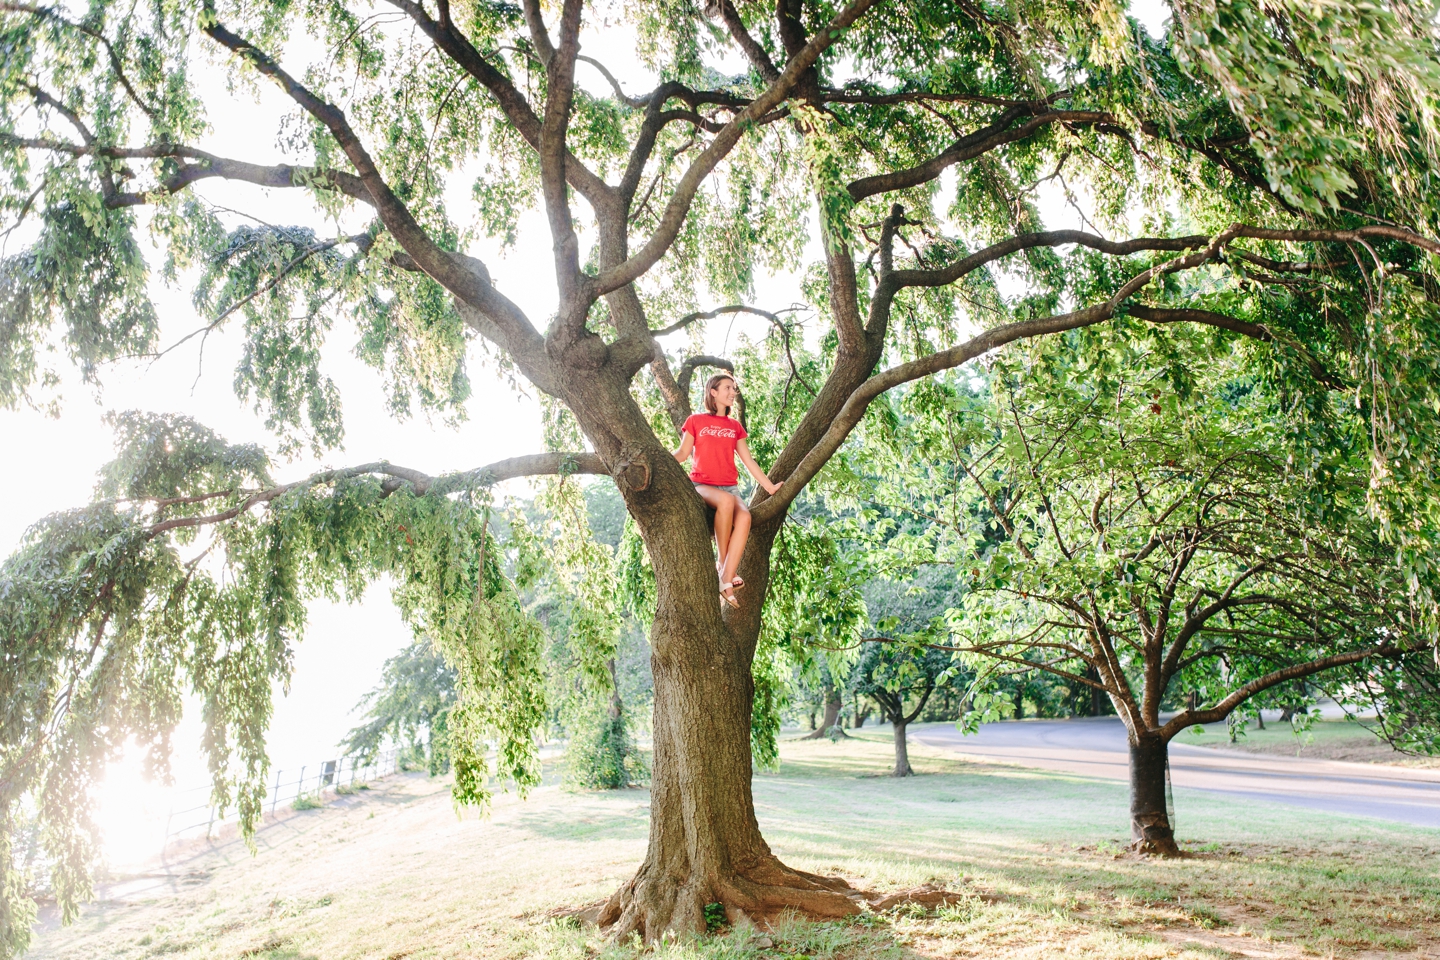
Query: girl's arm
{"x": 743, "y": 448}
{"x": 687, "y": 443}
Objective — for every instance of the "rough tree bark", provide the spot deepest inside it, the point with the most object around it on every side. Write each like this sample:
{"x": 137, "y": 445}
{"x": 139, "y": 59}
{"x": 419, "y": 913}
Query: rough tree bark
{"x": 705, "y": 845}
{"x": 1150, "y": 828}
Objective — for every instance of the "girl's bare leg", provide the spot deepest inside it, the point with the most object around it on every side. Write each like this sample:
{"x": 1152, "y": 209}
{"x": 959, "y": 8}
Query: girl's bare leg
{"x": 739, "y": 533}
{"x": 724, "y": 506}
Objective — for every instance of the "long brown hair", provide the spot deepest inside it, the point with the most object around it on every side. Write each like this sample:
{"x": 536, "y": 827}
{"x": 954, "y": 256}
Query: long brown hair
{"x": 710, "y": 386}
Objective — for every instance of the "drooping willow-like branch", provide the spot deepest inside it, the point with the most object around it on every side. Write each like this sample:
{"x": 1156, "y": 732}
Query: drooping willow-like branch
{"x": 197, "y": 165}
{"x": 533, "y": 465}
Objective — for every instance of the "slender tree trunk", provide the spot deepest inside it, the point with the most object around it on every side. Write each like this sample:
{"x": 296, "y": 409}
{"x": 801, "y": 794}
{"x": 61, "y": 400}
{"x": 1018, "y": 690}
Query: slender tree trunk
{"x": 902, "y": 751}
{"x": 1099, "y": 702}
{"x": 617, "y": 705}
{"x": 1150, "y": 829}
{"x": 832, "y": 713}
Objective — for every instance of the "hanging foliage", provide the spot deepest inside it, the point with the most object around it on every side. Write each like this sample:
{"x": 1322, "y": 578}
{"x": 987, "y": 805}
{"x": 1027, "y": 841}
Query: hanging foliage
{"x": 190, "y": 573}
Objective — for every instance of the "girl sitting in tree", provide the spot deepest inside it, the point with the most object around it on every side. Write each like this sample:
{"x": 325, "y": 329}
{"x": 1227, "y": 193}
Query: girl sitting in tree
{"x": 715, "y": 438}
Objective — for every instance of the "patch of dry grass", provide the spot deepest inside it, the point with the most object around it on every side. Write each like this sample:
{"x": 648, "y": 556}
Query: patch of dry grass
{"x": 1039, "y": 858}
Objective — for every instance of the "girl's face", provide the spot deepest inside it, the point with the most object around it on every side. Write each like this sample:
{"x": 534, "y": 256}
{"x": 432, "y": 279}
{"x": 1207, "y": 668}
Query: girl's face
{"x": 725, "y": 393}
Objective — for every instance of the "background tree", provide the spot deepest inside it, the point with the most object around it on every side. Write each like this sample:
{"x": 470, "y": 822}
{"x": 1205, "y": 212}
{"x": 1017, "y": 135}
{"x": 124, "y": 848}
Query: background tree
{"x": 1158, "y": 534}
{"x": 830, "y": 701}
{"x": 409, "y": 708}
{"x": 900, "y": 679}
{"x": 1245, "y": 147}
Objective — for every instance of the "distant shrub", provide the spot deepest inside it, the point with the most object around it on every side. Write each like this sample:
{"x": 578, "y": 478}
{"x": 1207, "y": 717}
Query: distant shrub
{"x": 306, "y": 801}
{"x": 602, "y": 755}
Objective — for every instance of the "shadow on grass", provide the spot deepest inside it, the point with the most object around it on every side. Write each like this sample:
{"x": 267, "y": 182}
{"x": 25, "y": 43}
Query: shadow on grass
{"x": 592, "y": 815}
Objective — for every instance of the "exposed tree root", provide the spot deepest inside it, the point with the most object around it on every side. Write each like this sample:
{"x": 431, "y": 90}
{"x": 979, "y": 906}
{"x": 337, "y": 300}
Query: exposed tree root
{"x": 1152, "y": 835}
{"x": 1155, "y": 846}
{"x": 651, "y": 910}
{"x": 653, "y": 905}
{"x": 926, "y": 895}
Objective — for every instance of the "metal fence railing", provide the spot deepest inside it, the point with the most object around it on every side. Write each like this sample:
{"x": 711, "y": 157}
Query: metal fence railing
{"x": 312, "y": 780}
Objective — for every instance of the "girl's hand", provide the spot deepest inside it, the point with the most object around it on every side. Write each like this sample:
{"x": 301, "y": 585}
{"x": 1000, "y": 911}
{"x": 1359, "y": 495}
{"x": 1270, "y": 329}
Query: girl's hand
{"x": 770, "y": 488}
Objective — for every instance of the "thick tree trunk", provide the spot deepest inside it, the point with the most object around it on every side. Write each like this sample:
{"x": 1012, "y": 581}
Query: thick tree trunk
{"x": 832, "y": 714}
{"x": 705, "y": 844}
{"x": 1150, "y": 829}
{"x": 902, "y": 751}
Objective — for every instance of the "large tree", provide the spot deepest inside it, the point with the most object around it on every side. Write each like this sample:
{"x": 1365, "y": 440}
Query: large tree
{"x": 1265, "y": 180}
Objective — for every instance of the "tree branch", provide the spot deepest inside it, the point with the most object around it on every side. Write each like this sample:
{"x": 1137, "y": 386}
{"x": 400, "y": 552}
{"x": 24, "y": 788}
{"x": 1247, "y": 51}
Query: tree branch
{"x": 205, "y": 166}
{"x": 114, "y": 58}
{"x": 635, "y": 103}
{"x": 516, "y": 108}
{"x": 687, "y": 370}
{"x": 996, "y": 134}
{"x": 1221, "y": 710}
{"x": 464, "y": 277}
{"x": 690, "y": 318}
{"x": 754, "y": 52}
{"x": 560, "y": 95}
{"x": 539, "y": 464}
{"x": 855, "y": 405}
{"x": 539, "y": 36}
{"x": 676, "y": 210}
{"x": 1208, "y": 318}
{"x": 1026, "y": 241}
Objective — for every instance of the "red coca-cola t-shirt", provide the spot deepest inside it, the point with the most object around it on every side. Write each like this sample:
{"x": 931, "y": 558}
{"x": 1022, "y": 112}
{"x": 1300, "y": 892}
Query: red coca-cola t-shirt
{"x": 715, "y": 440}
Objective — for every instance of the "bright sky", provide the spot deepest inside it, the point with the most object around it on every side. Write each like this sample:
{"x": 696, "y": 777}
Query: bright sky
{"x": 56, "y": 460}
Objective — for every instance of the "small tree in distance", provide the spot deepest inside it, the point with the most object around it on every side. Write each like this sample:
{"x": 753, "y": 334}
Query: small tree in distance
{"x": 410, "y": 707}
{"x": 900, "y": 679}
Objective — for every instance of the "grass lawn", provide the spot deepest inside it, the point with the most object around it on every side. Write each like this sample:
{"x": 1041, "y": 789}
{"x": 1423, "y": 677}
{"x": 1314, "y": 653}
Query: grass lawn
{"x": 392, "y": 873}
{"x": 1350, "y": 740}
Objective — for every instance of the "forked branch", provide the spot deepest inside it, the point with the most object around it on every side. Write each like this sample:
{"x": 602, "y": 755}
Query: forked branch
{"x": 673, "y": 217}
{"x": 462, "y": 276}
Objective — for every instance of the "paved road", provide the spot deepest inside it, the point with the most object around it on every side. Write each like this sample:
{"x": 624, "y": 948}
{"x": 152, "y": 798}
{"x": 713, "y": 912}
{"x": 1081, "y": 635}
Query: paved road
{"x": 1096, "y": 747}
